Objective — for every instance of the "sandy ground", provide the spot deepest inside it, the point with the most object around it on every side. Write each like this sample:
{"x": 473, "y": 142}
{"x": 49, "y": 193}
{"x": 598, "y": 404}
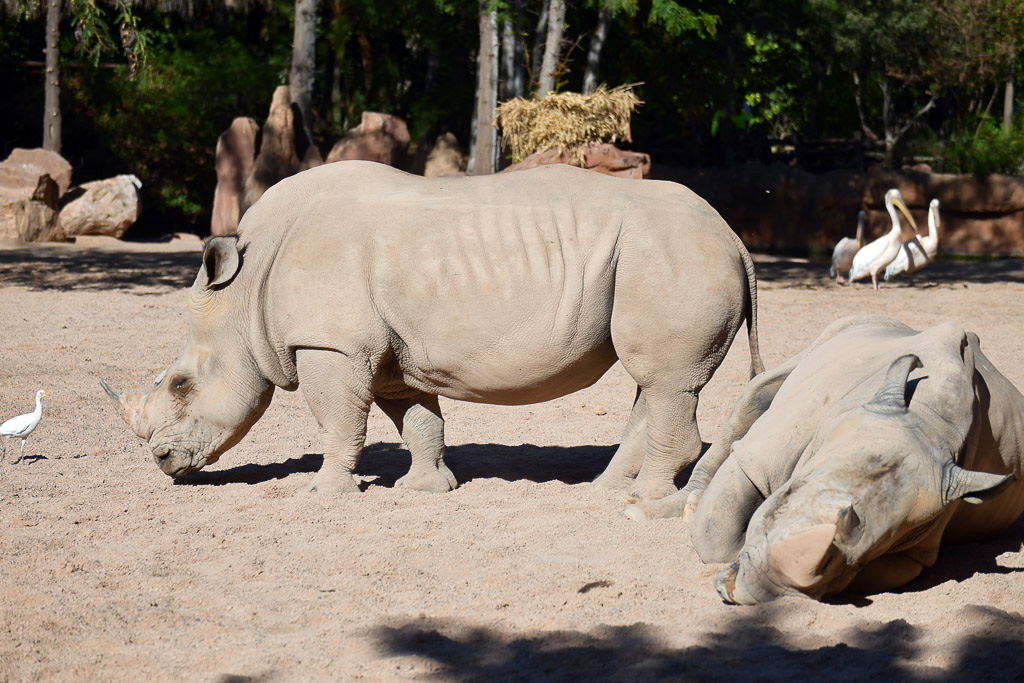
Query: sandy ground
{"x": 110, "y": 570}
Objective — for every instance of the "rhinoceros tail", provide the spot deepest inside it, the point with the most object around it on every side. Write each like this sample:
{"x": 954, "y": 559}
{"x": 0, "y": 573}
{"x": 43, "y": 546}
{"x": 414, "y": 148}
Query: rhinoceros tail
{"x": 756, "y": 366}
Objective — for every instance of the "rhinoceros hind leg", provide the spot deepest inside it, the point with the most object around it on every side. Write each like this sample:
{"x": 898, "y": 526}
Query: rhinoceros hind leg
{"x": 421, "y": 425}
{"x": 673, "y": 442}
{"x": 629, "y": 456}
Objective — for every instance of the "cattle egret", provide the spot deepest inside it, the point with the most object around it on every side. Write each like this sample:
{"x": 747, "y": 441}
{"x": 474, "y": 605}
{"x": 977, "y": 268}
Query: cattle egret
{"x": 918, "y": 251}
{"x": 21, "y": 426}
{"x": 845, "y": 250}
{"x": 875, "y": 256}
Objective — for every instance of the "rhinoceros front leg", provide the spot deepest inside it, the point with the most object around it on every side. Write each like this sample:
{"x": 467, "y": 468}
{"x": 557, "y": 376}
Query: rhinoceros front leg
{"x": 335, "y": 390}
{"x": 421, "y": 425}
{"x": 629, "y": 456}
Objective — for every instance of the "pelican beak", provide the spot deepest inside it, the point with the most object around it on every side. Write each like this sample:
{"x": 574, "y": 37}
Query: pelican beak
{"x": 45, "y": 393}
{"x": 898, "y": 203}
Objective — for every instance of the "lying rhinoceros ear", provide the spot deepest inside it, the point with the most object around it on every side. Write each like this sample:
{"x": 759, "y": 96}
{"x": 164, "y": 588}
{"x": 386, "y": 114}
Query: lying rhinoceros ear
{"x": 221, "y": 260}
{"x": 892, "y": 397}
{"x": 970, "y": 485}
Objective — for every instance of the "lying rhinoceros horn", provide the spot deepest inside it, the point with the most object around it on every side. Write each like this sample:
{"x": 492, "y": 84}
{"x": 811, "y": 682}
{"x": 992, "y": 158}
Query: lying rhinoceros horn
{"x": 892, "y": 397}
{"x": 971, "y": 485}
{"x": 129, "y": 408}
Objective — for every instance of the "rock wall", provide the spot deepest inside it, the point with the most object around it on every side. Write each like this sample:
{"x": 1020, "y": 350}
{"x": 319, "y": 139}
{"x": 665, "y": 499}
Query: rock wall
{"x": 781, "y": 207}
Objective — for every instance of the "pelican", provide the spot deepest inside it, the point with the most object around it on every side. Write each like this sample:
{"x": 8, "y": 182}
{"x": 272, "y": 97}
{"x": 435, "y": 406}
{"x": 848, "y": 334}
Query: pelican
{"x": 876, "y": 255}
{"x": 21, "y": 426}
{"x": 918, "y": 251}
{"x": 845, "y": 250}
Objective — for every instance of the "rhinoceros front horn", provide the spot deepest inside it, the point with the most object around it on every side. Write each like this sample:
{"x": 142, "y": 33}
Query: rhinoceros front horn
{"x": 128, "y": 407}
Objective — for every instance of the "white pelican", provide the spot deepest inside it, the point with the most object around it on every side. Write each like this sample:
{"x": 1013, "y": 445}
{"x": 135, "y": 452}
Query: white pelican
{"x": 21, "y": 426}
{"x": 845, "y": 250}
{"x": 876, "y": 255}
{"x": 918, "y": 251}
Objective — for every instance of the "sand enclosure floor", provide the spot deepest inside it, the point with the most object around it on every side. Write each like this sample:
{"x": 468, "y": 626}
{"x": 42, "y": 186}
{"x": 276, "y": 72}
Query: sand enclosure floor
{"x": 110, "y": 570}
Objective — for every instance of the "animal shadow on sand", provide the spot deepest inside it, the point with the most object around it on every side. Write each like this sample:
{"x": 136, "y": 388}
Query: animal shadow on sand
{"x": 383, "y": 464}
{"x": 742, "y": 647}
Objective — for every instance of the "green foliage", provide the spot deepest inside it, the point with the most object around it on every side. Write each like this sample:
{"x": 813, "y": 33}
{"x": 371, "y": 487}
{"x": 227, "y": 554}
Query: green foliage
{"x": 164, "y": 125}
{"x": 989, "y": 149}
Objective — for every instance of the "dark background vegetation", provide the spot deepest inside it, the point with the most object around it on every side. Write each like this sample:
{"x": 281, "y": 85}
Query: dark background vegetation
{"x": 723, "y": 82}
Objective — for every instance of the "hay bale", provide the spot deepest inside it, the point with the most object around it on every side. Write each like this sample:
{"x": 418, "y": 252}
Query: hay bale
{"x": 566, "y": 121}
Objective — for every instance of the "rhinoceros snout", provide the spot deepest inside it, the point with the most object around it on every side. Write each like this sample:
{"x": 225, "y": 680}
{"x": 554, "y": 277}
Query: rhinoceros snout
{"x": 173, "y": 462}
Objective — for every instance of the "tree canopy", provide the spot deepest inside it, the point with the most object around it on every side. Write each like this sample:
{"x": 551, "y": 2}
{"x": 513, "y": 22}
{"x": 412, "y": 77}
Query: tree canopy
{"x": 723, "y": 82}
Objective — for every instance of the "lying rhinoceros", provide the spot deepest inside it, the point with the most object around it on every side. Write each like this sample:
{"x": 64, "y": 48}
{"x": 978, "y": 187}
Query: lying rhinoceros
{"x": 362, "y": 284}
{"x": 847, "y": 465}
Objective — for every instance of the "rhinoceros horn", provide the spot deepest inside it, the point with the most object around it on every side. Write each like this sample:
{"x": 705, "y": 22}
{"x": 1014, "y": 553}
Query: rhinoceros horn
{"x": 971, "y": 485}
{"x": 892, "y": 397}
{"x": 129, "y": 407}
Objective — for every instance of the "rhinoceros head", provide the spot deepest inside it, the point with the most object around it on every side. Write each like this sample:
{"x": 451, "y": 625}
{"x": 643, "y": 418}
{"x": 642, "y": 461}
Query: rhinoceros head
{"x": 207, "y": 400}
{"x": 878, "y": 483}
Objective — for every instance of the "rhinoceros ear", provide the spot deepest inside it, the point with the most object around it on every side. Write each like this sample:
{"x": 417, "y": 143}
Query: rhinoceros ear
{"x": 221, "y": 260}
{"x": 970, "y": 485}
{"x": 892, "y": 397}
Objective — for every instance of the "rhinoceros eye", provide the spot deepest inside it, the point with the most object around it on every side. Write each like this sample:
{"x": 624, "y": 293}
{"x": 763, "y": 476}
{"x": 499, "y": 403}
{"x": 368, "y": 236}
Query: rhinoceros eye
{"x": 181, "y": 383}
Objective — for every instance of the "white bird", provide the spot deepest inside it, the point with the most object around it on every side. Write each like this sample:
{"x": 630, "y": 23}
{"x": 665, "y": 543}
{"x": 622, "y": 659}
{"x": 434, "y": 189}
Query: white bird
{"x": 21, "y": 426}
{"x": 918, "y": 251}
{"x": 845, "y": 250}
{"x": 874, "y": 256}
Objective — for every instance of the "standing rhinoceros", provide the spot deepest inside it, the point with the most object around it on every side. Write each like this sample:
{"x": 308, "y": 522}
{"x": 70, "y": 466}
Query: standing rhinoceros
{"x": 847, "y": 465}
{"x": 361, "y": 284}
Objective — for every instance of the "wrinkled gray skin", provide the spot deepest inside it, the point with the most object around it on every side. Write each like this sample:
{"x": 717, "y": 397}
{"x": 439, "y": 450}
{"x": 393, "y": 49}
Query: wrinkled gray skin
{"x": 361, "y": 284}
{"x": 846, "y": 466}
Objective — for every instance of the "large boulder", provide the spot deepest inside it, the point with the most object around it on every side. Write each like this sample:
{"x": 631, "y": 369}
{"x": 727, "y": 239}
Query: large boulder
{"x": 102, "y": 207}
{"x": 53, "y": 164}
{"x": 28, "y": 203}
{"x": 279, "y": 157}
{"x": 236, "y": 155}
{"x": 379, "y": 137}
{"x": 445, "y": 158}
{"x": 601, "y": 157}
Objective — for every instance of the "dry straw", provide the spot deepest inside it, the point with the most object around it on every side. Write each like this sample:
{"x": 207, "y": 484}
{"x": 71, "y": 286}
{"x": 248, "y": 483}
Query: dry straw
{"x": 568, "y": 121}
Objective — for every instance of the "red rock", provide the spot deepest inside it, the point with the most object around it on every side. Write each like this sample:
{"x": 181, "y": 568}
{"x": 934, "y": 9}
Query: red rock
{"x": 236, "y": 155}
{"x": 379, "y": 137}
{"x": 602, "y": 157}
{"x": 53, "y": 164}
{"x": 445, "y": 159}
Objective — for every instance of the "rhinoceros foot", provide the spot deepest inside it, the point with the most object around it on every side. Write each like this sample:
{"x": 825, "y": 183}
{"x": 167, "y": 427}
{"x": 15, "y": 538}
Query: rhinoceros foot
{"x": 682, "y": 503}
{"x": 614, "y": 481}
{"x": 332, "y": 483}
{"x": 440, "y": 480}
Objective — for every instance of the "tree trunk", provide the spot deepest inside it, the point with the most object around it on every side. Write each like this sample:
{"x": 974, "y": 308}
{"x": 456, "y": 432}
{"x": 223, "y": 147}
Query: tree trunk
{"x": 552, "y": 48}
{"x": 300, "y": 80}
{"x": 51, "y": 113}
{"x": 1008, "y": 93}
{"x": 537, "y": 54}
{"x": 483, "y": 151}
{"x": 508, "y": 60}
{"x": 604, "y": 18}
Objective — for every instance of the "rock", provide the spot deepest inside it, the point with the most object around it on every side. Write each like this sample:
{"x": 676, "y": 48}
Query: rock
{"x": 236, "y": 155}
{"x": 53, "y": 164}
{"x": 278, "y": 158}
{"x": 28, "y": 203}
{"x": 102, "y": 207}
{"x": 445, "y": 158}
{"x": 379, "y": 137}
{"x": 601, "y": 157}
